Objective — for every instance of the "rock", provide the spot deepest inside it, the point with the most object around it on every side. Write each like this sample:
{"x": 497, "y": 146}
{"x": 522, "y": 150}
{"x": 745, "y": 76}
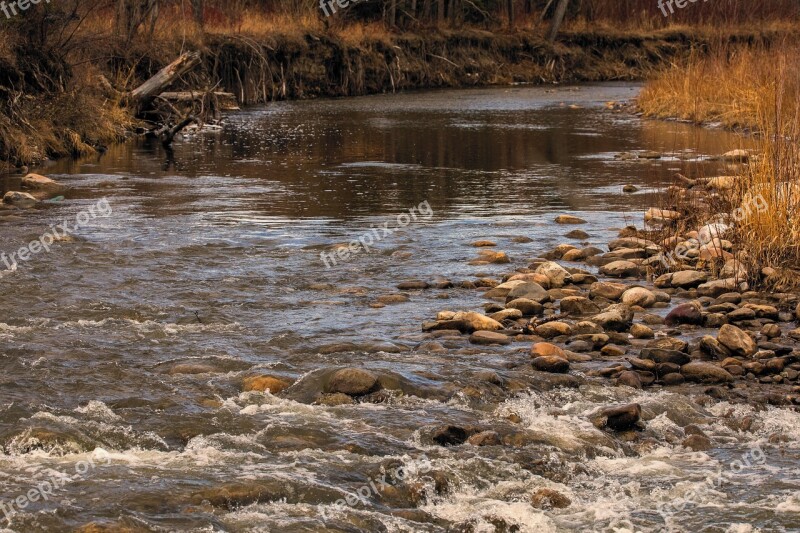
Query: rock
{"x": 630, "y": 188}
{"x": 506, "y": 314}
{"x": 610, "y": 350}
{"x": 541, "y": 279}
{"x": 714, "y": 348}
{"x": 620, "y": 269}
{"x": 557, "y": 274}
{"x": 577, "y": 234}
{"x": 353, "y": 382}
{"x": 333, "y": 400}
{"x": 698, "y": 443}
{"x": 19, "y": 199}
{"x": 578, "y": 305}
{"x": 42, "y": 186}
{"x": 413, "y": 284}
{"x": 485, "y": 438}
{"x": 797, "y": 312}
{"x": 483, "y": 244}
{"x": 720, "y": 286}
{"x": 449, "y": 435}
{"x": 543, "y": 349}
{"x": 548, "y": 330}
{"x": 392, "y": 298}
{"x": 665, "y": 355}
{"x": 618, "y": 418}
{"x": 736, "y": 156}
{"x": 630, "y": 379}
{"x": 489, "y": 338}
{"x": 528, "y": 290}
{"x": 705, "y": 373}
{"x": 638, "y": 296}
{"x": 741, "y": 314}
{"x": 608, "y": 290}
{"x": 661, "y": 216}
{"x": 265, "y": 383}
{"x": 476, "y": 321}
{"x": 737, "y": 341}
{"x": 525, "y": 306}
{"x": 688, "y": 279}
{"x": 569, "y": 219}
{"x": 551, "y": 363}
{"x": 672, "y": 379}
{"x": 490, "y": 256}
{"x": 617, "y": 317}
{"x": 546, "y": 499}
{"x": 640, "y": 331}
{"x": 643, "y": 364}
{"x": 688, "y": 313}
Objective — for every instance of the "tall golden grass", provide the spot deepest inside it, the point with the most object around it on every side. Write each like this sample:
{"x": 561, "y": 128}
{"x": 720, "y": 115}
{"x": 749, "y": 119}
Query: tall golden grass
{"x": 756, "y": 89}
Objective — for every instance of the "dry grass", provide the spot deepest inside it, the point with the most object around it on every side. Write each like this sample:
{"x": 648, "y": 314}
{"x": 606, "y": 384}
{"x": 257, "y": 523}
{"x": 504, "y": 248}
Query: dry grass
{"x": 756, "y": 89}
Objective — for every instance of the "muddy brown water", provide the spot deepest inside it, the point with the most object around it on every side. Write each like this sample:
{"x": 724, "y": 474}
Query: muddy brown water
{"x": 127, "y": 344}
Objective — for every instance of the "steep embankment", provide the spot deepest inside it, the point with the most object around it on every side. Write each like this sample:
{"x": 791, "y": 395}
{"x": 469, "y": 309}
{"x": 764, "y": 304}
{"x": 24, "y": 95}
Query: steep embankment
{"x": 40, "y": 118}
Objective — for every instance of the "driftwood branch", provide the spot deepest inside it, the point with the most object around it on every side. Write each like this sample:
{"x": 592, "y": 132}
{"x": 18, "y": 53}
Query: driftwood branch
{"x": 144, "y": 94}
{"x": 167, "y": 134}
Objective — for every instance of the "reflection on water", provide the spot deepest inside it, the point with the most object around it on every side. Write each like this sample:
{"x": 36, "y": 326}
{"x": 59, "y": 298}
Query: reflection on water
{"x": 136, "y": 336}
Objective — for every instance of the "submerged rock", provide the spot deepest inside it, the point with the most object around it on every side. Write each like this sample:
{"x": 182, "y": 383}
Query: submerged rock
{"x": 569, "y": 219}
{"x": 19, "y": 199}
{"x": 545, "y": 499}
{"x": 489, "y": 338}
{"x": 269, "y": 384}
{"x": 353, "y": 382}
{"x": 618, "y": 418}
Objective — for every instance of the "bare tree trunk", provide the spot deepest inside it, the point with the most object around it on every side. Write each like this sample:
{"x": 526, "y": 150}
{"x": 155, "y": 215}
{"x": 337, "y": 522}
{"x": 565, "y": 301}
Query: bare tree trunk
{"x": 145, "y": 93}
{"x": 558, "y": 18}
{"x": 510, "y": 7}
{"x": 392, "y": 13}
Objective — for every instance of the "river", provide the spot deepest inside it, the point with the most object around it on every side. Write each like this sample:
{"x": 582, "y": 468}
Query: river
{"x": 127, "y": 344}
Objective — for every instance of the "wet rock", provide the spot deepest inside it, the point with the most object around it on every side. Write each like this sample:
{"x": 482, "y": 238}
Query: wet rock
{"x": 333, "y": 400}
{"x": 546, "y": 349}
{"x": 489, "y": 338}
{"x": 618, "y": 317}
{"x": 638, "y": 296}
{"x": 797, "y": 312}
{"x": 557, "y": 274}
{"x": 703, "y": 372}
{"x": 715, "y": 320}
{"x": 642, "y": 364}
{"x": 528, "y": 290}
{"x": 630, "y": 379}
{"x": 483, "y": 244}
{"x": 640, "y": 331}
{"x": 19, "y": 199}
{"x": 709, "y": 345}
{"x": 597, "y": 340}
{"x": 526, "y": 306}
{"x": 663, "y": 355}
{"x": 569, "y": 219}
{"x": 688, "y": 313}
{"x": 697, "y": 443}
{"x": 763, "y": 311}
{"x": 449, "y": 435}
{"x": 618, "y": 418}
{"x": 771, "y": 331}
{"x": 551, "y": 363}
{"x": 485, "y": 438}
{"x": 545, "y": 499}
{"x": 741, "y": 314}
{"x": 610, "y": 350}
{"x": 490, "y": 257}
{"x": 476, "y": 321}
{"x": 669, "y": 343}
{"x": 541, "y": 279}
{"x": 620, "y": 269}
{"x": 578, "y": 305}
{"x": 413, "y": 284}
{"x": 41, "y": 187}
{"x": 585, "y": 327}
{"x": 720, "y": 286}
{"x": 608, "y": 290}
{"x": 239, "y": 494}
{"x": 559, "y": 251}
{"x": 265, "y": 384}
{"x": 736, "y": 340}
{"x": 392, "y": 298}
{"x": 506, "y": 314}
{"x": 548, "y": 330}
{"x": 577, "y": 234}
{"x": 672, "y": 379}
{"x": 630, "y": 188}
{"x": 353, "y": 382}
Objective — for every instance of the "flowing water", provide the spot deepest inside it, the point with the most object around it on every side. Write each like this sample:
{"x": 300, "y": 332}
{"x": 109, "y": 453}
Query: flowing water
{"x": 124, "y": 347}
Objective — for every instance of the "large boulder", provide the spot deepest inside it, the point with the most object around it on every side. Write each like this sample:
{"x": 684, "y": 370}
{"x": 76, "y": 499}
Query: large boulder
{"x": 617, "y": 317}
{"x": 551, "y": 363}
{"x": 618, "y": 418}
{"x": 737, "y": 341}
{"x": 41, "y": 187}
{"x": 530, "y": 291}
{"x": 545, "y": 349}
{"x": 353, "y": 382}
{"x": 19, "y": 199}
{"x": 688, "y": 279}
{"x": 608, "y": 290}
{"x": 639, "y": 296}
{"x": 703, "y": 372}
{"x": 477, "y": 322}
{"x": 620, "y": 269}
{"x": 557, "y": 274}
{"x": 688, "y": 313}
{"x": 265, "y": 383}
{"x": 578, "y": 305}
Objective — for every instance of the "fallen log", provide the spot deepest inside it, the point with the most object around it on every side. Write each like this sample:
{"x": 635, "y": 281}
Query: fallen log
{"x": 227, "y": 101}
{"x": 143, "y": 95}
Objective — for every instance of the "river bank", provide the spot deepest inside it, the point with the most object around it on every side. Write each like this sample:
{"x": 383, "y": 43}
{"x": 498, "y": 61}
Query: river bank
{"x": 41, "y": 121}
